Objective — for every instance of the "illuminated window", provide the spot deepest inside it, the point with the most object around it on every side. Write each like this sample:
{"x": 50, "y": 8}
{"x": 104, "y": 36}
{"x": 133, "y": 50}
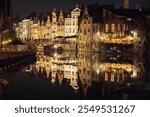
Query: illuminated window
{"x": 112, "y": 77}
{"x": 70, "y": 30}
{"x": 106, "y": 27}
{"x": 119, "y": 28}
{"x": 73, "y": 30}
{"x": 106, "y": 76}
{"x": 124, "y": 27}
{"x": 68, "y": 73}
{"x": 127, "y": 28}
{"x": 112, "y": 27}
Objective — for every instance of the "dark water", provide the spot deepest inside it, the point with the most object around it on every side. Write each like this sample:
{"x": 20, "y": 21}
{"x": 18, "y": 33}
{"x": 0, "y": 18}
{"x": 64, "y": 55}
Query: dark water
{"x": 82, "y": 75}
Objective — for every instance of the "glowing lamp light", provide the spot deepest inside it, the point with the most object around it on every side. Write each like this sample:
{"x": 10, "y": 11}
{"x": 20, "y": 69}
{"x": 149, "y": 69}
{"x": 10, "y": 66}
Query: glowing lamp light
{"x": 98, "y": 71}
{"x": 98, "y": 33}
{"x": 55, "y": 55}
{"x": 132, "y": 32}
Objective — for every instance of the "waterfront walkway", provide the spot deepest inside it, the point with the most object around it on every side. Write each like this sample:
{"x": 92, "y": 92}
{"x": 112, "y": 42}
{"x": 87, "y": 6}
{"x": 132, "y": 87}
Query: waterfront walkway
{"x": 9, "y": 60}
{"x": 5, "y": 55}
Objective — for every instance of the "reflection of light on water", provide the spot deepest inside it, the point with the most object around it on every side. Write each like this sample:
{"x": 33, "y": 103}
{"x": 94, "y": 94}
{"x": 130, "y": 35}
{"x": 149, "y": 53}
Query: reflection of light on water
{"x": 89, "y": 70}
{"x": 53, "y": 81}
{"x": 55, "y": 54}
{"x": 75, "y": 87}
{"x": 134, "y": 74}
{"x": 128, "y": 84}
{"x": 131, "y": 75}
{"x": 98, "y": 71}
{"x": 112, "y": 71}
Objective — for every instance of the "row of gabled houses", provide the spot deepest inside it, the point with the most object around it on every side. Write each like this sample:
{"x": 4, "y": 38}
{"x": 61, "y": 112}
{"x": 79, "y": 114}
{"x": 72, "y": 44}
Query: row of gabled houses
{"x": 48, "y": 26}
{"x": 92, "y": 24}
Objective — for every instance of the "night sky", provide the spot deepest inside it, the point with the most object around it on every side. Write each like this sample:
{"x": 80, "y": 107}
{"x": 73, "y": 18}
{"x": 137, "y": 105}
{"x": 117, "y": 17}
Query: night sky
{"x": 22, "y": 8}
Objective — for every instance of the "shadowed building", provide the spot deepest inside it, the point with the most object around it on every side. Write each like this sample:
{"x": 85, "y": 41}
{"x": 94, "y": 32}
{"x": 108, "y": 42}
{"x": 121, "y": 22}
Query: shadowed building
{"x": 5, "y": 19}
{"x": 5, "y": 14}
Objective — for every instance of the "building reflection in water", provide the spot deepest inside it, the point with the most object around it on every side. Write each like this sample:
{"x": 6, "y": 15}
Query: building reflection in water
{"x": 93, "y": 74}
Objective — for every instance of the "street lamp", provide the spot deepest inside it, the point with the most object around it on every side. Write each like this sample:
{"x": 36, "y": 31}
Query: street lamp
{"x": 134, "y": 33}
{"x": 99, "y": 36}
{"x": 98, "y": 33}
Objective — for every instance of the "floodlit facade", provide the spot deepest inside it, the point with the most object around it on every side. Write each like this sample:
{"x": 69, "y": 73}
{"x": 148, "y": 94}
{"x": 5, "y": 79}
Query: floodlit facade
{"x": 48, "y": 28}
{"x": 87, "y": 28}
{"x": 56, "y": 25}
{"x": 25, "y": 29}
{"x": 35, "y": 30}
{"x": 71, "y": 22}
{"x": 85, "y": 38}
{"x": 61, "y": 25}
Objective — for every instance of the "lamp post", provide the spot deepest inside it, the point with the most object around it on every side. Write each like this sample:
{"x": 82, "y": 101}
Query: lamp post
{"x": 100, "y": 38}
{"x": 134, "y": 33}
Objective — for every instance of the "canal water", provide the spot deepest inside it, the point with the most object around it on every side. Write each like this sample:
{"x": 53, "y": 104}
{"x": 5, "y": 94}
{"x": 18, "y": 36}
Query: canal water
{"x": 72, "y": 75}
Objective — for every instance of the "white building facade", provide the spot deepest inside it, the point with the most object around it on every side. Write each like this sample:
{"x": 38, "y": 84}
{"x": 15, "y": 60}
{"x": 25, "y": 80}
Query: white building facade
{"x": 71, "y": 22}
{"x": 24, "y": 30}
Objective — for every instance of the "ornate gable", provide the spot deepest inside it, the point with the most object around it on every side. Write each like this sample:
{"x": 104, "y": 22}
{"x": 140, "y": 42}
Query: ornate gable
{"x": 76, "y": 9}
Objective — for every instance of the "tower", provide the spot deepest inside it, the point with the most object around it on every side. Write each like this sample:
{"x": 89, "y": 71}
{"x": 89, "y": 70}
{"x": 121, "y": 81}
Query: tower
{"x": 61, "y": 18}
{"x": 54, "y": 16}
{"x": 48, "y": 28}
{"x": 85, "y": 13}
{"x": 54, "y": 24}
{"x": 126, "y": 4}
{"x": 6, "y": 13}
{"x": 48, "y": 20}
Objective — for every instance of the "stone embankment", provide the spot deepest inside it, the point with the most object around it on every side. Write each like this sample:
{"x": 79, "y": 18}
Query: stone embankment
{"x": 10, "y": 60}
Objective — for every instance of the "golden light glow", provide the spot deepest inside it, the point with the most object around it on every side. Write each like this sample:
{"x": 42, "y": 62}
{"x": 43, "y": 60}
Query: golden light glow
{"x": 106, "y": 38}
{"x": 111, "y": 66}
{"x": 53, "y": 27}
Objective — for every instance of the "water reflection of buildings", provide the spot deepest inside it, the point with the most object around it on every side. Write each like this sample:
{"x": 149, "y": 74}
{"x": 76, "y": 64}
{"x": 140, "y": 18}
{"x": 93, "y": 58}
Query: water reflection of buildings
{"x": 88, "y": 68}
{"x": 56, "y": 67}
{"x": 65, "y": 66}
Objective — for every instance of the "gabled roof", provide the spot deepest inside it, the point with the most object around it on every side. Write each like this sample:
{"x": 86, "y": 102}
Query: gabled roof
{"x": 133, "y": 13}
{"x": 76, "y": 10}
{"x": 43, "y": 15}
{"x": 96, "y": 11}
